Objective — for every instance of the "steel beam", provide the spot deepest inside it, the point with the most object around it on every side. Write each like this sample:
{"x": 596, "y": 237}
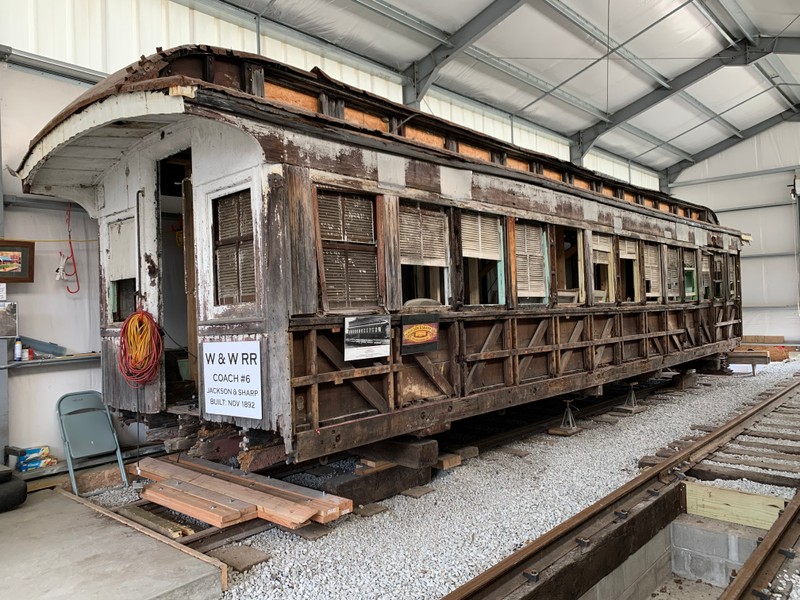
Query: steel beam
{"x": 719, "y": 211}
{"x": 746, "y": 55}
{"x": 733, "y": 176}
{"x": 671, "y": 173}
{"x": 422, "y": 72}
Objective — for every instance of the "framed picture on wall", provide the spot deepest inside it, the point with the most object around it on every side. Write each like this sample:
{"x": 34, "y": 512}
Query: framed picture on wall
{"x": 16, "y": 261}
{"x": 8, "y": 320}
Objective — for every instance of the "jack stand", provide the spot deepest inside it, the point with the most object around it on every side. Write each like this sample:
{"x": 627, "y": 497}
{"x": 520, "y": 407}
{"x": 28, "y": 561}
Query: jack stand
{"x": 630, "y": 407}
{"x": 568, "y": 426}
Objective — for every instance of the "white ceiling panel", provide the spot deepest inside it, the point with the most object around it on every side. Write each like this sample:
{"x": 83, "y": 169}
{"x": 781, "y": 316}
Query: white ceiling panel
{"x": 728, "y": 87}
{"x": 679, "y": 42}
{"x": 619, "y": 141}
{"x": 558, "y": 116}
{"x": 447, "y": 15}
{"x": 610, "y": 85}
{"x": 669, "y": 119}
{"x": 553, "y": 52}
{"x": 352, "y": 26}
{"x": 773, "y": 17}
{"x": 476, "y": 80}
{"x": 657, "y": 158}
{"x": 755, "y": 111}
{"x": 701, "y": 137}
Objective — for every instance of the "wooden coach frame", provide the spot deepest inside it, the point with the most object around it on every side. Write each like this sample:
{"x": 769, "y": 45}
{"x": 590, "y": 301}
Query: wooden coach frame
{"x": 16, "y": 261}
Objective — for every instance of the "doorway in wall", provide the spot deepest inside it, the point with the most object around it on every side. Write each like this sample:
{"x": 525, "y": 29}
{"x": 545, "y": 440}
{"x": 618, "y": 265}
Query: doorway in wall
{"x": 177, "y": 278}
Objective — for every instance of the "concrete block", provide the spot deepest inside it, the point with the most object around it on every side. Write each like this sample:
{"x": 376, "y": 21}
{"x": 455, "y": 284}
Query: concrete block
{"x": 697, "y": 536}
{"x": 634, "y": 567}
{"x": 695, "y": 566}
{"x": 240, "y": 558}
{"x": 744, "y": 547}
{"x": 645, "y": 586}
{"x": 656, "y": 547}
{"x": 611, "y": 586}
{"x": 663, "y": 567}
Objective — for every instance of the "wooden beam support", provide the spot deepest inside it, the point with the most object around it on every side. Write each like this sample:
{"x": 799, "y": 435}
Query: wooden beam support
{"x": 410, "y": 453}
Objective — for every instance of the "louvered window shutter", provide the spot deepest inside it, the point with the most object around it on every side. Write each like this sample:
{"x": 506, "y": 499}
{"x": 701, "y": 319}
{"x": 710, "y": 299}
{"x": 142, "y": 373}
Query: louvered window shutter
{"x": 423, "y": 236}
{"x": 689, "y": 260}
{"x": 234, "y": 253}
{"x": 601, "y": 248}
{"x": 628, "y": 249}
{"x": 673, "y": 272}
{"x": 480, "y": 236}
{"x": 349, "y": 257}
{"x": 705, "y": 275}
{"x": 652, "y": 268}
{"x": 530, "y": 261}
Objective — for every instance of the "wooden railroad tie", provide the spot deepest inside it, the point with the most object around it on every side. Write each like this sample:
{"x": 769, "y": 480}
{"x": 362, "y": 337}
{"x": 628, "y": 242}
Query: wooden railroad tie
{"x": 222, "y": 498}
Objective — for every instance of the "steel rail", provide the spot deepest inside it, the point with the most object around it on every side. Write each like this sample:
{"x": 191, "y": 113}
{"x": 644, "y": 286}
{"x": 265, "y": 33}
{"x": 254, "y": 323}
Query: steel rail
{"x": 681, "y": 461}
{"x": 768, "y": 557}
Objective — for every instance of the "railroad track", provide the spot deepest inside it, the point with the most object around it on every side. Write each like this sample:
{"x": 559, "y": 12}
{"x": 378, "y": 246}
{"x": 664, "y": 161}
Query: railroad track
{"x": 602, "y": 536}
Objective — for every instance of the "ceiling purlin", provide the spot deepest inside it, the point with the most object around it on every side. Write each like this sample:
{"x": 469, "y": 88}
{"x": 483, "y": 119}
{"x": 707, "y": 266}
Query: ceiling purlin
{"x": 402, "y": 17}
{"x": 745, "y": 55}
{"x": 775, "y": 67}
{"x": 668, "y": 175}
{"x": 656, "y": 141}
{"x": 739, "y": 16}
{"x": 422, "y": 73}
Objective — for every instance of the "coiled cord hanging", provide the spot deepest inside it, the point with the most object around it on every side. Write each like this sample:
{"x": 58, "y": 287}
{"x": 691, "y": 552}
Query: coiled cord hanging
{"x": 140, "y": 348}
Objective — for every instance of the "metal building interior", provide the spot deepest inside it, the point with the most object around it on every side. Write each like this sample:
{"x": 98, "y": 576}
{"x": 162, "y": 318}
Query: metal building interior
{"x": 699, "y": 99}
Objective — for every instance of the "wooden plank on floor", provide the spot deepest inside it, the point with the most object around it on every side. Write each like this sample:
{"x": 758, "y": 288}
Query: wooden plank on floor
{"x": 202, "y": 510}
{"x": 155, "y": 522}
{"x": 733, "y": 506}
{"x": 448, "y": 461}
{"x": 269, "y": 507}
{"x": 329, "y": 506}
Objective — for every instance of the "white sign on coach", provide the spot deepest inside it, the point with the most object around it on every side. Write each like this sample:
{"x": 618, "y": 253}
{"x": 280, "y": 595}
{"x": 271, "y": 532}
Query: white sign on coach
{"x": 232, "y": 379}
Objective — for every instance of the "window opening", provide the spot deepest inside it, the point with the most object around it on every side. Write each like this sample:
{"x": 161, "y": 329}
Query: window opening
{"x": 424, "y": 255}
{"x": 602, "y": 251}
{"x": 234, "y": 254}
{"x": 630, "y": 286}
{"x": 122, "y": 299}
{"x": 689, "y": 276}
{"x": 531, "y": 255}
{"x": 482, "y": 249}
{"x": 349, "y": 252}
{"x": 673, "y": 275}
{"x": 732, "y": 275}
{"x": 569, "y": 264}
{"x": 652, "y": 273}
{"x": 716, "y": 275}
{"x": 705, "y": 276}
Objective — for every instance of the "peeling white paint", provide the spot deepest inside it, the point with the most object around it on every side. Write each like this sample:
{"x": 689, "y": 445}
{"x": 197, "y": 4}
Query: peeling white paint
{"x": 455, "y": 183}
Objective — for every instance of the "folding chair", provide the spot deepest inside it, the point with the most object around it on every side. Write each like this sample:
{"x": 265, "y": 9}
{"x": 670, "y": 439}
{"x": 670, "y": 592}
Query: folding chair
{"x": 87, "y": 430}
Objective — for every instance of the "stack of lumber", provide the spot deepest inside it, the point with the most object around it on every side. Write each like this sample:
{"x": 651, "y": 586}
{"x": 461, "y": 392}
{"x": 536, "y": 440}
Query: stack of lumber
{"x": 222, "y": 497}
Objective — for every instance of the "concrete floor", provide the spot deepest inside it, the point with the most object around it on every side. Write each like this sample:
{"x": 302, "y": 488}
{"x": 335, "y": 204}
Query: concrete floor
{"x": 53, "y": 547}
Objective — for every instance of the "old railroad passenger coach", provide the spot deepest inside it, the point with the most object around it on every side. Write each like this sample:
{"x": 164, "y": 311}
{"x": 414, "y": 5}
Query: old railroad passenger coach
{"x": 343, "y": 269}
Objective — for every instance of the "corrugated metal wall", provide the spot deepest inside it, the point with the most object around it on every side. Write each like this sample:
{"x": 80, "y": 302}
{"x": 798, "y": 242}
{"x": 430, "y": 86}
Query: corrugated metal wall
{"x": 749, "y": 187}
{"x": 107, "y": 35}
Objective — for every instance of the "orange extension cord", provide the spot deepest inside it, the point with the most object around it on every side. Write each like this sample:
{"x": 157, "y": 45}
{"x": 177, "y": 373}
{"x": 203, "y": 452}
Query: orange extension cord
{"x": 140, "y": 348}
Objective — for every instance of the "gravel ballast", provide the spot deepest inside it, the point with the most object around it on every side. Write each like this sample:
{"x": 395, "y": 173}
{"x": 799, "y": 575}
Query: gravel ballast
{"x": 487, "y": 508}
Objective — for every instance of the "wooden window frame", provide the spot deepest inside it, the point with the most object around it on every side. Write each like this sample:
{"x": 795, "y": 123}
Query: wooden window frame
{"x": 421, "y": 261}
{"x": 347, "y": 246}
{"x": 500, "y": 261}
{"x": 235, "y": 242}
{"x": 519, "y": 226}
